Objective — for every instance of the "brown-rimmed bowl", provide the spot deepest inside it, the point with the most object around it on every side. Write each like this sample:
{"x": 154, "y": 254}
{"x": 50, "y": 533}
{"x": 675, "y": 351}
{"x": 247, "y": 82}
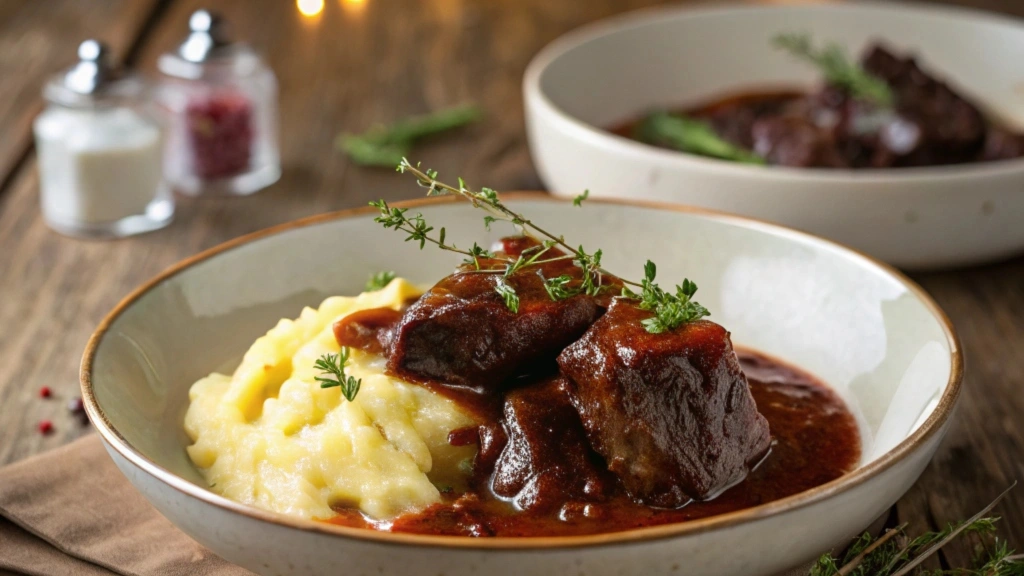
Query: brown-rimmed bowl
{"x": 863, "y": 328}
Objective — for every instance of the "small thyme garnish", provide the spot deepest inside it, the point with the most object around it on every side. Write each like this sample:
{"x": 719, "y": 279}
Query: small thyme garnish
{"x": 578, "y": 201}
{"x": 838, "y": 68}
{"x": 506, "y": 291}
{"x": 334, "y": 365}
{"x": 893, "y": 554}
{"x": 379, "y": 280}
{"x": 671, "y": 309}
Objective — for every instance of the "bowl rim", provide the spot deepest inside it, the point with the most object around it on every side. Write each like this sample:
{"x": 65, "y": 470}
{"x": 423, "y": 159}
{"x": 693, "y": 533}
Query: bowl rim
{"x": 932, "y": 426}
{"x": 595, "y": 136}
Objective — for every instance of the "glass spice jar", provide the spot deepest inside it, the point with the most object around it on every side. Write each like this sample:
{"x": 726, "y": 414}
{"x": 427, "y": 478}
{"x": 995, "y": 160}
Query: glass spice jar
{"x": 221, "y": 105}
{"x": 99, "y": 144}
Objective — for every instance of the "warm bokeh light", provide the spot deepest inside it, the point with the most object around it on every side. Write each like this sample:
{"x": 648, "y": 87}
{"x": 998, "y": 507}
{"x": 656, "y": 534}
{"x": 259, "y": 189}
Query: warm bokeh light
{"x": 310, "y": 7}
{"x": 353, "y": 6}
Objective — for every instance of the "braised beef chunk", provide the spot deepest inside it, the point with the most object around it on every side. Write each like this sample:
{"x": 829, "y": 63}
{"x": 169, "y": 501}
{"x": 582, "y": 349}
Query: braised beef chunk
{"x": 671, "y": 413}
{"x": 795, "y": 141}
{"x": 547, "y": 461}
{"x": 928, "y": 123}
{"x": 462, "y": 333}
{"x": 949, "y": 129}
{"x": 367, "y": 330}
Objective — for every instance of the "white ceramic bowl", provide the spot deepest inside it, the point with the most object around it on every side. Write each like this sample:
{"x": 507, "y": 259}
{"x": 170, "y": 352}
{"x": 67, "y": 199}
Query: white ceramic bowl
{"x": 619, "y": 68}
{"x": 867, "y": 331}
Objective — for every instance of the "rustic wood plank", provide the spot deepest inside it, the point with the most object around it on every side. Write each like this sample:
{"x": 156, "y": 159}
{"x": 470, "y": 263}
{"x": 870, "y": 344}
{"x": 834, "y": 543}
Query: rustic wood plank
{"x": 39, "y": 38}
{"x": 983, "y": 453}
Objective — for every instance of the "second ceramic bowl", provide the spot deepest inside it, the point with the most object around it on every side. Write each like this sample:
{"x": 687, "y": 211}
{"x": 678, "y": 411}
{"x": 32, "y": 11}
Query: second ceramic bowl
{"x": 917, "y": 218}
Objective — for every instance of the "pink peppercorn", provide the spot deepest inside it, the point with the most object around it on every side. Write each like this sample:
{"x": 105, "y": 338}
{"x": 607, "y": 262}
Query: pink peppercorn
{"x": 45, "y": 392}
{"x": 45, "y": 427}
{"x": 76, "y": 406}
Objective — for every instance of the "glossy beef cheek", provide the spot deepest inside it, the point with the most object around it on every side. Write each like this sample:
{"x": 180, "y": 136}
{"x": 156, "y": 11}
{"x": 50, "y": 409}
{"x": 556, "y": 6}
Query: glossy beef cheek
{"x": 462, "y": 333}
{"x": 547, "y": 461}
{"x": 671, "y": 413}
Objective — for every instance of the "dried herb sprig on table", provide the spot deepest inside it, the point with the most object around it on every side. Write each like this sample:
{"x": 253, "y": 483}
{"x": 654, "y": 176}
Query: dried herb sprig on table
{"x": 691, "y": 135}
{"x": 838, "y": 69}
{"x": 894, "y": 554}
{"x": 671, "y": 309}
{"x": 333, "y": 368}
{"x": 387, "y": 145}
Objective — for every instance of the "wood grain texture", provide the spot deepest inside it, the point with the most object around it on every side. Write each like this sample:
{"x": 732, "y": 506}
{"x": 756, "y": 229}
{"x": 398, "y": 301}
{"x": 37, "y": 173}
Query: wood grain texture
{"x": 355, "y": 65}
{"x": 39, "y": 38}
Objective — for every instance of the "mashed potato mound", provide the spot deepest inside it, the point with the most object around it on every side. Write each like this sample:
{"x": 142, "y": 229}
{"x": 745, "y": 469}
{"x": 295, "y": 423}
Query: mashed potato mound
{"x": 269, "y": 436}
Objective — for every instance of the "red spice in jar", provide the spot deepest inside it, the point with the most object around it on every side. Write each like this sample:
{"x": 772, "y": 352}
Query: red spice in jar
{"x": 220, "y": 134}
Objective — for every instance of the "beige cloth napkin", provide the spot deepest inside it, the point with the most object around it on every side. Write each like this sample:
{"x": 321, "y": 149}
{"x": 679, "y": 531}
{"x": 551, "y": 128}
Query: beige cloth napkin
{"x": 71, "y": 512}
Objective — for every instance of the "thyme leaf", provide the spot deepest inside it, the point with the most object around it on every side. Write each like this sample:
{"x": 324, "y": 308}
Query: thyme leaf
{"x": 838, "y": 69}
{"x": 379, "y": 280}
{"x": 333, "y": 374}
{"x": 508, "y": 293}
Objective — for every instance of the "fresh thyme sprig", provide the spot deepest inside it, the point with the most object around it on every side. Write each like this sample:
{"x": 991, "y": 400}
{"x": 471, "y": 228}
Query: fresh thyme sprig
{"x": 838, "y": 68}
{"x": 419, "y": 231}
{"x": 671, "y": 309}
{"x": 893, "y": 554}
{"x": 334, "y": 365}
{"x": 387, "y": 145}
{"x": 379, "y": 280}
{"x": 693, "y": 136}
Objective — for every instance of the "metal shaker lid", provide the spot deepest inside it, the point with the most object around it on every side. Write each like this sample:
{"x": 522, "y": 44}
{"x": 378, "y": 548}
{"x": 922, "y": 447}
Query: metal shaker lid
{"x": 93, "y": 80}
{"x": 207, "y": 38}
{"x": 207, "y": 47}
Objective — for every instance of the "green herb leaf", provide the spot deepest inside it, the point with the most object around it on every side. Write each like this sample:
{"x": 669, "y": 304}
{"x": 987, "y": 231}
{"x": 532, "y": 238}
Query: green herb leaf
{"x": 558, "y": 288}
{"x": 671, "y": 310}
{"x": 578, "y": 201}
{"x": 693, "y": 136}
{"x": 837, "y": 68}
{"x": 387, "y": 145}
{"x": 333, "y": 375}
{"x": 506, "y": 291}
{"x": 367, "y": 152}
{"x": 379, "y": 280}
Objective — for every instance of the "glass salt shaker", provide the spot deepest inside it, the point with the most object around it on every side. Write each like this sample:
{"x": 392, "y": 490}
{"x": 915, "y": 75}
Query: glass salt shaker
{"x": 221, "y": 105}
{"x": 99, "y": 145}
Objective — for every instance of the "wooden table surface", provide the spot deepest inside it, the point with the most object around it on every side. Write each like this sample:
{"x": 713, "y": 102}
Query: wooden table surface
{"x": 358, "y": 63}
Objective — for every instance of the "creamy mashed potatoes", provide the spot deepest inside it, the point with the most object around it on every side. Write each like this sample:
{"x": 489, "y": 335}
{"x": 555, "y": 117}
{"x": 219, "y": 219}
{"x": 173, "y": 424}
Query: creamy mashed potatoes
{"x": 269, "y": 436}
